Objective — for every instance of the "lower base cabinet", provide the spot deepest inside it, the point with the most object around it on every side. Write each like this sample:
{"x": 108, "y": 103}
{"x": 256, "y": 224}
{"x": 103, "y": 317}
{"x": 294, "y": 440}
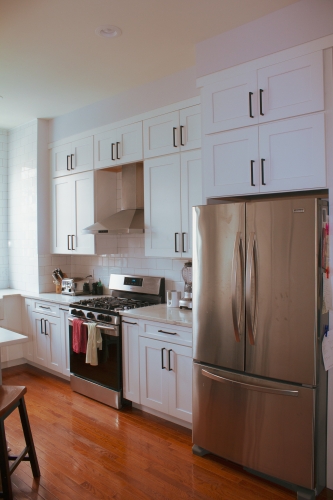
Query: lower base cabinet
{"x": 47, "y": 340}
{"x": 157, "y": 373}
{"x": 166, "y": 377}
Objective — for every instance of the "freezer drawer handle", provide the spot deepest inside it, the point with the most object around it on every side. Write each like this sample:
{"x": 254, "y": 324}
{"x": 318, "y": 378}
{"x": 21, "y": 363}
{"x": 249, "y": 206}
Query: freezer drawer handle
{"x": 237, "y": 318}
{"x": 250, "y": 387}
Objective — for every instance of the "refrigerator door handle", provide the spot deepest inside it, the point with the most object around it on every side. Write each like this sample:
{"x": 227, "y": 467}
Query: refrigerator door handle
{"x": 251, "y": 271}
{"x": 237, "y": 318}
{"x": 269, "y": 390}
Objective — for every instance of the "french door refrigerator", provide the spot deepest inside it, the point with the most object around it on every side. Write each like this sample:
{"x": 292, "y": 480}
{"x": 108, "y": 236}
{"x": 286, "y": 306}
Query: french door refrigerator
{"x": 259, "y": 385}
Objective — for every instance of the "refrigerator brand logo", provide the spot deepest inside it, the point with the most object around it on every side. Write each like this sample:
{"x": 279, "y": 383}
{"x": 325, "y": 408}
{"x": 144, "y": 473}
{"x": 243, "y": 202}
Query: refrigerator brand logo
{"x": 298, "y": 210}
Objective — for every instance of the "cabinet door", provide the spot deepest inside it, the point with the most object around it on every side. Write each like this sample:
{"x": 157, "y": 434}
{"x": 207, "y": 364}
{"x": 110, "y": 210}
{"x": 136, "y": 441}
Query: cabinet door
{"x": 40, "y": 339}
{"x": 53, "y": 339}
{"x": 105, "y": 149}
{"x": 28, "y": 347}
{"x": 231, "y": 103}
{"x": 162, "y": 206}
{"x": 82, "y": 155}
{"x": 64, "y": 339}
{"x": 129, "y": 147}
{"x": 131, "y": 367}
{"x": 292, "y": 87}
{"x": 61, "y": 160}
{"x": 154, "y": 374}
{"x": 180, "y": 381}
{"x": 190, "y": 128}
{"x": 83, "y": 198}
{"x": 292, "y": 154}
{"x": 231, "y": 163}
{"x": 191, "y": 195}
{"x": 161, "y": 135}
{"x": 62, "y": 215}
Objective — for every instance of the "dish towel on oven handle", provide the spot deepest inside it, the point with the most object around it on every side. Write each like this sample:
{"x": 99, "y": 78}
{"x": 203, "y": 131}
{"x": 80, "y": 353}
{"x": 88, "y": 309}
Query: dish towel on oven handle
{"x": 79, "y": 339}
{"x": 94, "y": 343}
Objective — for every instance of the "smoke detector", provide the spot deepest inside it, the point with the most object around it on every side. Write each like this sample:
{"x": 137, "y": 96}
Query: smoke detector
{"x": 108, "y": 31}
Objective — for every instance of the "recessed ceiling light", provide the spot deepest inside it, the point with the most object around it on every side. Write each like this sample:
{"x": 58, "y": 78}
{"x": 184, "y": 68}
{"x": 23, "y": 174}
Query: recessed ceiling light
{"x": 108, "y": 31}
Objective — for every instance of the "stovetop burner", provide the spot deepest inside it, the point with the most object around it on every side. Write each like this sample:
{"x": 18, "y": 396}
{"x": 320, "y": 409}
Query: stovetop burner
{"x": 127, "y": 292}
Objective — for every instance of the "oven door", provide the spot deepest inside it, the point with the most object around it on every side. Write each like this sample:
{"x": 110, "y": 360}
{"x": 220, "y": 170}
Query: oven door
{"x": 108, "y": 372}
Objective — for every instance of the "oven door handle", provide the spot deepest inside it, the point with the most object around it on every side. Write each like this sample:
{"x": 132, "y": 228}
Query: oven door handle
{"x": 108, "y": 330}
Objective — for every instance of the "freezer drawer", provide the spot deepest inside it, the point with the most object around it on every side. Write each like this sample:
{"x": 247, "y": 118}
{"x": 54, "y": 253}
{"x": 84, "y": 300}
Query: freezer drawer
{"x": 263, "y": 425}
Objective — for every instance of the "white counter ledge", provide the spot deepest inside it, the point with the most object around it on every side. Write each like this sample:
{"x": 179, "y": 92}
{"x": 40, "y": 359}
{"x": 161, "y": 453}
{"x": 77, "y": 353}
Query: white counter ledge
{"x": 162, "y": 314}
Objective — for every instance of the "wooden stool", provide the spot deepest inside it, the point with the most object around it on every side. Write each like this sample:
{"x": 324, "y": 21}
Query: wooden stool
{"x": 12, "y": 397}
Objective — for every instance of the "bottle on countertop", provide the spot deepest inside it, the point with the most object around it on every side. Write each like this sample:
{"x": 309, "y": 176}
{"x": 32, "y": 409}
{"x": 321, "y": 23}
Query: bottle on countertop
{"x": 99, "y": 288}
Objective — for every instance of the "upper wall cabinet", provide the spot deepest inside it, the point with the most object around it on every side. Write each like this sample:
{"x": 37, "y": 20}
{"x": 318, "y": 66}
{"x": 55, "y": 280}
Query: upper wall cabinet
{"x": 290, "y": 156}
{"x": 118, "y": 146}
{"x": 172, "y": 132}
{"x": 290, "y": 88}
{"x": 72, "y": 211}
{"x": 172, "y": 187}
{"x": 73, "y": 157}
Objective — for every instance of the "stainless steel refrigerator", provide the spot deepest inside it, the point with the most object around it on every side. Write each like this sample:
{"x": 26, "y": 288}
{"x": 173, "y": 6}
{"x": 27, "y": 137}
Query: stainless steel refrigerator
{"x": 259, "y": 385}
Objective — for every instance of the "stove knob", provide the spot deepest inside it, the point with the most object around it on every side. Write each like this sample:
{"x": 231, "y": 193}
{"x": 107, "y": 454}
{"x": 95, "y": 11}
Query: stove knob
{"x": 74, "y": 312}
{"x": 107, "y": 318}
{"x": 101, "y": 317}
{"x": 90, "y": 315}
{"x": 80, "y": 313}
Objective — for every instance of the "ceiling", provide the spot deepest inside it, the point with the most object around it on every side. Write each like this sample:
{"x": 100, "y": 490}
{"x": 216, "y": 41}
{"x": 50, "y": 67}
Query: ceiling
{"x": 52, "y": 62}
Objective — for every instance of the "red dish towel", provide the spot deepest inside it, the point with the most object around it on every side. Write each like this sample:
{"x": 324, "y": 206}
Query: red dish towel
{"x": 79, "y": 340}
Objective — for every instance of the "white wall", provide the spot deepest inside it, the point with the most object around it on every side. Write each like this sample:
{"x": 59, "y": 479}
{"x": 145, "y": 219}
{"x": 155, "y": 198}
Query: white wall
{"x": 153, "y": 95}
{"x": 3, "y": 210}
{"x": 293, "y": 25}
{"x": 22, "y": 207}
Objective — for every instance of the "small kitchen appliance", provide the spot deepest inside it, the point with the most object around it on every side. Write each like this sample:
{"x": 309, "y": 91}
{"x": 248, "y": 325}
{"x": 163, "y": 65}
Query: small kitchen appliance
{"x": 104, "y": 381}
{"x": 186, "y": 300}
{"x": 72, "y": 286}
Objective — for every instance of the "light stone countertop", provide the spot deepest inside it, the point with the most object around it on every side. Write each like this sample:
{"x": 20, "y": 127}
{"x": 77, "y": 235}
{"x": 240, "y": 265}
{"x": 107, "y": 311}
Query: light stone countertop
{"x": 162, "y": 314}
{"x": 57, "y": 298}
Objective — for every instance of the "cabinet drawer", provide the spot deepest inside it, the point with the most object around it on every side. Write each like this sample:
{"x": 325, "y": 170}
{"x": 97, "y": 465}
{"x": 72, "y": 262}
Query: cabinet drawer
{"x": 47, "y": 308}
{"x": 167, "y": 332}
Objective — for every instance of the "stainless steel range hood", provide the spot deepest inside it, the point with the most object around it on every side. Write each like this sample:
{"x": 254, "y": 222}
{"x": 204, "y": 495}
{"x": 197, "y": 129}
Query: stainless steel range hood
{"x": 130, "y": 218}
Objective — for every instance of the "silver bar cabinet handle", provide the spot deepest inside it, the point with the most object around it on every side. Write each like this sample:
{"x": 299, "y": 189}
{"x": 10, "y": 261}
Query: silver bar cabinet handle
{"x": 238, "y": 251}
{"x": 251, "y": 387}
{"x": 72, "y": 158}
{"x": 68, "y": 162}
{"x": 181, "y": 135}
{"x": 45, "y": 321}
{"x": 176, "y": 246}
{"x": 174, "y": 137}
{"x": 72, "y": 237}
{"x": 260, "y": 97}
{"x": 68, "y": 236}
{"x": 251, "y": 267}
{"x": 129, "y": 322}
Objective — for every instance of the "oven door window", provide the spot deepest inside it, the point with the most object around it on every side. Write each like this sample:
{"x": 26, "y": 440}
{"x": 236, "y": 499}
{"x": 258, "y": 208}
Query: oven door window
{"x": 108, "y": 371}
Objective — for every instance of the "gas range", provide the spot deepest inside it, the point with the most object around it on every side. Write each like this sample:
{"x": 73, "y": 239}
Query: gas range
{"x": 126, "y": 292}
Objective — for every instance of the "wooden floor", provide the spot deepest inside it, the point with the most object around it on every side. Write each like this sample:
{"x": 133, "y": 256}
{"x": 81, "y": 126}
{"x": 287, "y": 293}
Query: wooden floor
{"x": 87, "y": 451}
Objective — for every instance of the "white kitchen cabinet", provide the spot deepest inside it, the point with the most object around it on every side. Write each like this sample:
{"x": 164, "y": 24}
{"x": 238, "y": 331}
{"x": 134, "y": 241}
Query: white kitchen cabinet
{"x": 230, "y": 103}
{"x": 130, "y": 354}
{"x": 118, "y": 146}
{"x": 73, "y": 157}
{"x": 284, "y": 155}
{"x": 166, "y": 377}
{"x": 290, "y": 88}
{"x": 27, "y": 324}
{"x": 173, "y": 184}
{"x": 72, "y": 211}
{"x": 64, "y": 336}
{"x": 47, "y": 341}
{"x": 172, "y": 132}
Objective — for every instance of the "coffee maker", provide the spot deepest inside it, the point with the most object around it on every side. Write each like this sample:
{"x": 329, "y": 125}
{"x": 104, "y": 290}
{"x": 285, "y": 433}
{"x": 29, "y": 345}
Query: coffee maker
{"x": 186, "y": 300}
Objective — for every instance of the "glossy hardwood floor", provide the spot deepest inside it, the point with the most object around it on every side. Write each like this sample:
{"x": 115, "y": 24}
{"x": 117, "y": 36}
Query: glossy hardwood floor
{"x": 87, "y": 451}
